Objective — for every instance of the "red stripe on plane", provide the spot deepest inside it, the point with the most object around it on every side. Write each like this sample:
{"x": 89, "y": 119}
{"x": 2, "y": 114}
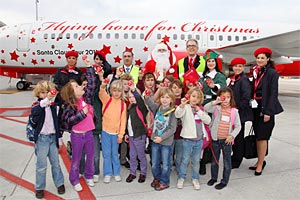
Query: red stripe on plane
{"x": 25, "y": 184}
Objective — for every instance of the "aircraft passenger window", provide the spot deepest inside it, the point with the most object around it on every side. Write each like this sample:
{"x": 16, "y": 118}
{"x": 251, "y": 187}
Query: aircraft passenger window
{"x": 229, "y": 38}
{"x": 125, "y": 35}
{"x": 237, "y": 38}
{"x": 75, "y": 35}
{"x": 133, "y": 35}
{"x": 197, "y": 37}
{"x": 142, "y": 36}
{"x": 52, "y": 35}
{"x": 107, "y": 36}
{"x": 117, "y": 35}
{"x": 60, "y": 36}
{"x": 174, "y": 36}
{"x": 244, "y": 38}
{"x": 220, "y": 37}
{"x": 159, "y": 36}
{"x": 91, "y": 36}
{"x": 82, "y": 36}
{"x": 45, "y": 36}
{"x": 68, "y": 36}
{"x": 189, "y": 36}
{"x": 99, "y": 35}
{"x": 182, "y": 36}
{"x": 211, "y": 38}
{"x": 251, "y": 37}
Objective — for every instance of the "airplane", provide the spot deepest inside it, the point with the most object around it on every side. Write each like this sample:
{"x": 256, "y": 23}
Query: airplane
{"x": 29, "y": 49}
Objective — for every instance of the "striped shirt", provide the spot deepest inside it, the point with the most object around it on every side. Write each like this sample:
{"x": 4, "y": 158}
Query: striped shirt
{"x": 223, "y": 128}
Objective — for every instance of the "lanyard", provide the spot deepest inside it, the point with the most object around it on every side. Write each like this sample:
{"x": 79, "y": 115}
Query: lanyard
{"x": 256, "y": 83}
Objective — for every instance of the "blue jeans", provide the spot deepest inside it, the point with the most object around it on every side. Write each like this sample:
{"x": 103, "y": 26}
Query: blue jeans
{"x": 161, "y": 154}
{"x": 178, "y": 153}
{"x": 96, "y": 156}
{"x": 45, "y": 147}
{"x": 217, "y": 146}
{"x": 111, "y": 161}
{"x": 190, "y": 149}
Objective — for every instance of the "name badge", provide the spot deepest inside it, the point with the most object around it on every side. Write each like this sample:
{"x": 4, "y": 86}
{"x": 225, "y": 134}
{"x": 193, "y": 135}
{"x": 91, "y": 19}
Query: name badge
{"x": 208, "y": 96}
{"x": 253, "y": 103}
{"x": 225, "y": 118}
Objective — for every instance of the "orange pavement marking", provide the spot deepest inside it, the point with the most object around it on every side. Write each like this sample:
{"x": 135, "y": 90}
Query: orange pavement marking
{"x": 17, "y": 140}
{"x": 25, "y": 184}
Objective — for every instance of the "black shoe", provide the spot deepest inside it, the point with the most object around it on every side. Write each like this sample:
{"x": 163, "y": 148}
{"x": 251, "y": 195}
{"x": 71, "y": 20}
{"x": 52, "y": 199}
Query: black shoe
{"x": 61, "y": 189}
{"x": 211, "y": 182}
{"x": 39, "y": 194}
{"x": 257, "y": 173}
{"x": 220, "y": 186}
{"x": 254, "y": 167}
{"x": 142, "y": 178}
{"x": 127, "y": 165}
{"x": 130, "y": 178}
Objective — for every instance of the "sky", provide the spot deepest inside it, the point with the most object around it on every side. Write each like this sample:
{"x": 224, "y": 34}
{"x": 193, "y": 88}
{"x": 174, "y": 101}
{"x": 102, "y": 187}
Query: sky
{"x": 19, "y": 11}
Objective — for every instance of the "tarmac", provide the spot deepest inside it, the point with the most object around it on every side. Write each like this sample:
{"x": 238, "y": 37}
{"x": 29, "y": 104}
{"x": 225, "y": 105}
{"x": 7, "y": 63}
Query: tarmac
{"x": 280, "y": 178}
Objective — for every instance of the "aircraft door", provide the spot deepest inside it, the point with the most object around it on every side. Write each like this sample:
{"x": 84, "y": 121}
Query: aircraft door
{"x": 23, "y": 37}
{"x": 212, "y": 40}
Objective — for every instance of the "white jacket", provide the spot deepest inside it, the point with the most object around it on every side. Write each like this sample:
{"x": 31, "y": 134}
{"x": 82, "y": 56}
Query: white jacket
{"x": 188, "y": 121}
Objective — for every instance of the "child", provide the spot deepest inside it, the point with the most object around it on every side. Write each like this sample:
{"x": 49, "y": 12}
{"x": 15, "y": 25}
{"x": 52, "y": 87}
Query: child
{"x": 223, "y": 132}
{"x": 45, "y": 121}
{"x": 177, "y": 88}
{"x": 164, "y": 127}
{"x": 193, "y": 119}
{"x": 113, "y": 128}
{"x": 137, "y": 131}
{"x": 79, "y": 115}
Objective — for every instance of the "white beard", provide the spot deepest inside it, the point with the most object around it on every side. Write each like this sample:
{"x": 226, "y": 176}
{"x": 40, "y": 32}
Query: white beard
{"x": 162, "y": 63}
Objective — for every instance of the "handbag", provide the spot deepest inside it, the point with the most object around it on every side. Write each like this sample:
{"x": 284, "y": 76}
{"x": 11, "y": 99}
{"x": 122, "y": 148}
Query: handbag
{"x": 250, "y": 150}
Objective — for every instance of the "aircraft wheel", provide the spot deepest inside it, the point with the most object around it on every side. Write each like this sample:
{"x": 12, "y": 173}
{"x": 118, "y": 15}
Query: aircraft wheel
{"x": 21, "y": 85}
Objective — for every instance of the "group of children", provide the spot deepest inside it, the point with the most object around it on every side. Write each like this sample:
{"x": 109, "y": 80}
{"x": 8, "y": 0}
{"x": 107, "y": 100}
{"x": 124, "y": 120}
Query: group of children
{"x": 179, "y": 124}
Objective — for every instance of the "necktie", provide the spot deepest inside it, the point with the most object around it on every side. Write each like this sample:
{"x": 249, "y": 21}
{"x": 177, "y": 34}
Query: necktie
{"x": 191, "y": 62}
{"x": 127, "y": 70}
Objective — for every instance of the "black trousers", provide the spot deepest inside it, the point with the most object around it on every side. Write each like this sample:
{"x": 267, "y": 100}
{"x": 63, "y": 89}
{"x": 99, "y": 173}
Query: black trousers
{"x": 238, "y": 148}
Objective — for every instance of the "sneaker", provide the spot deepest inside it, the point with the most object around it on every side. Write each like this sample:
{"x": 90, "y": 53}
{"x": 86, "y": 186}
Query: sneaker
{"x": 130, "y": 178}
{"x": 77, "y": 187}
{"x": 96, "y": 178}
{"x": 90, "y": 182}
{"x": 196, "y": 184}
{"x": 142, "y": 178}
{"x": 106, "y": 179}
{"x": 161, "y": 187}
{"x": 61, "y": 189}
{"x": 118, "y": 178}
{"x": 155, "y": 182}
{"x": 39, "y": 194}
{"x": 220, "y": 186}
{"x": 211, "y": 182}
{"x": 180, "y": 183}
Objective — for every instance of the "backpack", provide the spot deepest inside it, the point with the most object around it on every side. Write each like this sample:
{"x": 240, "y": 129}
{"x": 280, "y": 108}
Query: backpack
{"x": 30, "y": 129}
{"x": 149, "y": 120}
{"x": 206, "y": 138}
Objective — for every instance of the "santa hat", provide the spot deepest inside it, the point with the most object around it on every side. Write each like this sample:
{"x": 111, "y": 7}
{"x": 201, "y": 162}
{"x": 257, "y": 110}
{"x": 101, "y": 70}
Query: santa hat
{"x": 209, "y": 54}
{"x": 71, "y": 53}
{"x": 100, "y": 53}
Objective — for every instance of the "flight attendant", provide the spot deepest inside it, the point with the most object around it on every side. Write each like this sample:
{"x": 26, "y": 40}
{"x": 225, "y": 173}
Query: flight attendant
{"x": 241, "y": 87}
{"x": 264, "y": 103}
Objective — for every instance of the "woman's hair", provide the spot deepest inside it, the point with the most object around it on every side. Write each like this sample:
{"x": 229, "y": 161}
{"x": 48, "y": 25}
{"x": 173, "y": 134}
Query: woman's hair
{"x": 118, "y": 85}
{"x": 229, "y": 90}
{"x": 67, "y": 93}
{"x": 43, "y": 86}
{"x": 206, "y": 70}
{"x": 270, "y": 63}
{"x": 169, "y": 77}
{"x": 199, "y": 91}
{"x": 163, "y": 91}
{"x": 106, "y": 65}
{"x": 127, "y": 77}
